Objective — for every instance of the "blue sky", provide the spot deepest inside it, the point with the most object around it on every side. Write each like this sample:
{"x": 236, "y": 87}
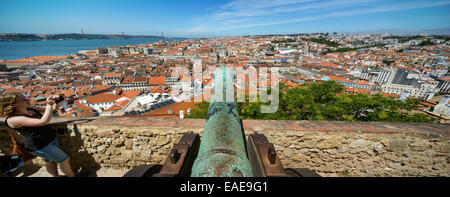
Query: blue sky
{"x": 222, "y": 17}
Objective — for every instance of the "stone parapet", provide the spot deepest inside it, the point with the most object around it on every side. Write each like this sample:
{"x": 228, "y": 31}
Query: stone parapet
{"x": 330, "y": 148}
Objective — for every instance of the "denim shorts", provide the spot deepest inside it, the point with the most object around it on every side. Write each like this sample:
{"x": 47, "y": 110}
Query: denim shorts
{"x": 51, "y": 152}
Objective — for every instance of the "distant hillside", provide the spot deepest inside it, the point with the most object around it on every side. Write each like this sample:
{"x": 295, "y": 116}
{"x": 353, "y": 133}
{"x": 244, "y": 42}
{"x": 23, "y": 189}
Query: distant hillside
{"x": 38, "y": 37}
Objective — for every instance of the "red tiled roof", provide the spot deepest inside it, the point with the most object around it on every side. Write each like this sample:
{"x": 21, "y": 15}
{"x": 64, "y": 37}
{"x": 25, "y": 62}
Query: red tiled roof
{"x": 428, "y": 104}
{"x": 91, "y": 52}
{"x": 119, "y": 105}
{"x": 13, "y": 89}
{"x": 157, "y": 89}
{"x": 156, "y": 80}
{"x": 37, "y": 59}
{"x": 127, "y": 80}
{"x": 106, "y": 97}
{"x": 140, "y": 79}
{"x": 113, "y": 75}
{"x": 122, "y": 103}
{"x": 334, "y": 78}
{"x": 98, "y": 82}
{"x": 80, "y": 111}
{"x": 130, "y": 93}
{"x": 390, "y": 95}
{"x": 117, "y": 91}
{"x": 67, "y": 93}
{"x": 328, "y": 64}
{"x": 175, "y": 108}
{"x": 362, "y": 91}
{"x": 113, "y": 108}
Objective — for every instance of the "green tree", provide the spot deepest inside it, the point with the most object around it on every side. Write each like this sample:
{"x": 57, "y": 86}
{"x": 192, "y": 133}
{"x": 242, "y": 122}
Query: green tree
{"x": 327, "y": 101}
{"x": 426, "y": 43}
{"x": 200, "y": 111}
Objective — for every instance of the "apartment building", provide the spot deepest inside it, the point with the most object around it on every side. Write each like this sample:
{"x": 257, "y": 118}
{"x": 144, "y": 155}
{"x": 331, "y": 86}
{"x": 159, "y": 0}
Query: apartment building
{"x": 112, "y": 78}
{"x": 406, "y": 80}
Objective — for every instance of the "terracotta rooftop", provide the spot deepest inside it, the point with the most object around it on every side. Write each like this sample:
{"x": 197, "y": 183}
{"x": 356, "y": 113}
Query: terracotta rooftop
{"x": 37, "y": 59}
{"x": 119, "y": 105}
{"x": 157, "y": 89}
{"x": 140, "y": 79}
{"x": 390, "y": 95}
{"x": 127, "y": 80}
{"x": 174, "y": 108}
{"x": 445, "y": 79}
{"x": 427, "y": 104}
{"x": 361, "y": 91}
{"x": 156, "y": 80}
{"x": 334, "y": 78}
{"x": 80, "y": 111}
{"x": 66, "y": 93}
{"x": 100, "y": 88}
{"x": 106, "y": 97}
{"x": 113, "y": 75}
{"x": 130, "y": 94}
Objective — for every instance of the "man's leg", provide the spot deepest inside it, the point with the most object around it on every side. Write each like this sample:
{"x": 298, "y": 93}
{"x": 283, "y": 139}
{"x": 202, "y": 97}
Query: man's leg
{"x": 52, "y": 168}
{"x": 66, "y": 168}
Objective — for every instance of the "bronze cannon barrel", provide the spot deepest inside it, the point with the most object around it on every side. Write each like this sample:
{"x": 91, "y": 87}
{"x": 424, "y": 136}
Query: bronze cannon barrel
{"x": 222, "y": 151}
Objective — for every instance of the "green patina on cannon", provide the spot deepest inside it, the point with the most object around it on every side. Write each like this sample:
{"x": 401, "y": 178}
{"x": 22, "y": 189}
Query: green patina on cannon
{"x": 223, "y": 150}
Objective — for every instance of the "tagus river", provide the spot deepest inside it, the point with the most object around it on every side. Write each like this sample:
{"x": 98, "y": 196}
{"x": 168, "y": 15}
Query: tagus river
{"x": 21, "y": 49}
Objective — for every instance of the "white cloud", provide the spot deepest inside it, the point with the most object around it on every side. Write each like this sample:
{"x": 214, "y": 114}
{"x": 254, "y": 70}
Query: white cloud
{"x": 240, "y": 14}
{"x": 265, "y": 8}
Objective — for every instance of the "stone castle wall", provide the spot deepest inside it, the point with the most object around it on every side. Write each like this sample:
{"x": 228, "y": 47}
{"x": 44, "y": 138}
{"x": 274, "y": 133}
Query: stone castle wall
{"x": 329, "y": 148}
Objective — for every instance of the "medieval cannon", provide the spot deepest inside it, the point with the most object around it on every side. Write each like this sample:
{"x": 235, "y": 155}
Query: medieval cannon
{"x": 223, "y": 150}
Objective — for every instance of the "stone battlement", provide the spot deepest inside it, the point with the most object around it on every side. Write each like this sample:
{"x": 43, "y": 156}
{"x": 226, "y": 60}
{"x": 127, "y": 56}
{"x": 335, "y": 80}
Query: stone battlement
{"x": 330, "y": 148}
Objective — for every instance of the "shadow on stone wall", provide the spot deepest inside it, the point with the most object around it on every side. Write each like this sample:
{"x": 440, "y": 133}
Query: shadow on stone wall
{"x": 72, "y": 143}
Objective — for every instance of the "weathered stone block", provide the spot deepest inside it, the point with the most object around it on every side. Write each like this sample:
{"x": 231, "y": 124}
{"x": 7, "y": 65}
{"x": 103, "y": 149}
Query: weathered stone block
{"x": 327, "y": 168}
{"x": 118, "y": 142}
{"x": 128, "y": 144}
{"x": 288, "y": 153}
{"x": 146, "y": 133}
{"x": 162, "y": 141}
{"x": 398, "y": 145}
{"x": 378, "y": 147}
{"x": 329, "y": 143}
{"x": 285, "y": 142}
{"x": 308, "y": 144}
{"x": 359, "y": 143}
{"x": 101, "y": 149}
{"x": 444, "y": 148}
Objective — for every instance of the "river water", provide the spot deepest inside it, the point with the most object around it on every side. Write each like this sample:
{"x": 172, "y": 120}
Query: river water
{"x": 21, "y": 49}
